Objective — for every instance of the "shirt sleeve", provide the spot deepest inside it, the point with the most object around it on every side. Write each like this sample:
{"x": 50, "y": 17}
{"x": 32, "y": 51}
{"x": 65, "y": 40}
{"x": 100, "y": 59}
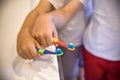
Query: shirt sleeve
{"x": 57, "y": 3}
{"x": 84, "y": 2}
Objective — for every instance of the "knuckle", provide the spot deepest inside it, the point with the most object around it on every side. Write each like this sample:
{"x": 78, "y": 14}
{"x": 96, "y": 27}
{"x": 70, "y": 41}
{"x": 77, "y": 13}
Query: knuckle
{"x": 24, "y": 48}
{"x": 34, "y": 34}
{"x": 35, "y": 54}
{"x": 46, "y": 33}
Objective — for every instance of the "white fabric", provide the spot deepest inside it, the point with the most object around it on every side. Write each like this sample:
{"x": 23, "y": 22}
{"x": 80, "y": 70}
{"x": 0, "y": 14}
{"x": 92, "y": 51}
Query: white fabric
{"x": 102, "y": 37}
{"x": 41, "y": 68}
{"x": 84, "y": 2}
{"x": 73, "y": 31}
{"x": 57, "y": 3}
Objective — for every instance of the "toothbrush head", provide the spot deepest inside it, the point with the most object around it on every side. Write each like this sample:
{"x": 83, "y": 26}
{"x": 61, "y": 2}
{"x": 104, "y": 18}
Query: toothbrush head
{"x": 71, "y": 46}
{"x": 59, "y": 52}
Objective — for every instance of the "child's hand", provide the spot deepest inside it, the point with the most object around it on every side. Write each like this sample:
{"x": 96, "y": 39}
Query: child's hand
{"x": 26, "y": 45}
{"x": 44, "y": 30}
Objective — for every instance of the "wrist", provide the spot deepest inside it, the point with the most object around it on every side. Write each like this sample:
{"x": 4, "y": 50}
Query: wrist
{"x": 58, "y": 18}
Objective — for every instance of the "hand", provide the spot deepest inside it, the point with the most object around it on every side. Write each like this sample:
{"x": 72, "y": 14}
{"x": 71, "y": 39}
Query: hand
{"x": 44, "y": 30}
{"x": 26, "y": 45}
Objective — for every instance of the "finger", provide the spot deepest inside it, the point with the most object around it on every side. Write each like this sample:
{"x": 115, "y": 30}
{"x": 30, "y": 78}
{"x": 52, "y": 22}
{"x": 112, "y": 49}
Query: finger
{"x": 28, "y": 54}
{"x": 49, "y": 40}
{"x": 20, "y": 53}
{"x": 43, "y": 41}
{"x": 37, "y": 45}
{"x": 54, "y": 34}
{"x": 38, "y": 39}
{"x": 33, "y": 52}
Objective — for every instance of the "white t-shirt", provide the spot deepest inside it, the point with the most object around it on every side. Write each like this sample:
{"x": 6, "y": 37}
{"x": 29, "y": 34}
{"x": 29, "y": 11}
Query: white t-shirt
{"x": 102, "y": 36}
{"x": 73, "y": 31}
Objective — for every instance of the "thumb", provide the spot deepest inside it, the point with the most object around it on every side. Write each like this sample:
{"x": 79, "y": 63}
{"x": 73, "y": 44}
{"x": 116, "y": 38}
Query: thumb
{"x": 37, "y": 45}
{"x": 55, "y": 34}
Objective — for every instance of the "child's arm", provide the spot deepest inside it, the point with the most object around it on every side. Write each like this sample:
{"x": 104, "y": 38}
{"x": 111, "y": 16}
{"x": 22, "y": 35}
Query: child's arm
{"x": 63, "y": 16}
{"x": 43, "y": 7}
{"x": 45, "y": 27}
{"x": 25, "y": 42}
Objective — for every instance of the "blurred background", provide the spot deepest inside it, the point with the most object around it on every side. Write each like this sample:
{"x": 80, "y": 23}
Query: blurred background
{"x": 12, "y": 15}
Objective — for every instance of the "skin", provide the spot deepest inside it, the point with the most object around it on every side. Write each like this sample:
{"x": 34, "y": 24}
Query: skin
{"x": 58, "y": 18}
{"x": 26, "y": 44}
{"x": 40, "y": 25}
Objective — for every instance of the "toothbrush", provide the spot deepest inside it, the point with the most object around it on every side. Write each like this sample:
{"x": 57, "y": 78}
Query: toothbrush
{"x": 57, "y": 52}
{"x": 70, "y": 46}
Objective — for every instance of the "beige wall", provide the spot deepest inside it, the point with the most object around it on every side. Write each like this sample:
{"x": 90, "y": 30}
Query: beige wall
{"x": 12, "y": 14}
